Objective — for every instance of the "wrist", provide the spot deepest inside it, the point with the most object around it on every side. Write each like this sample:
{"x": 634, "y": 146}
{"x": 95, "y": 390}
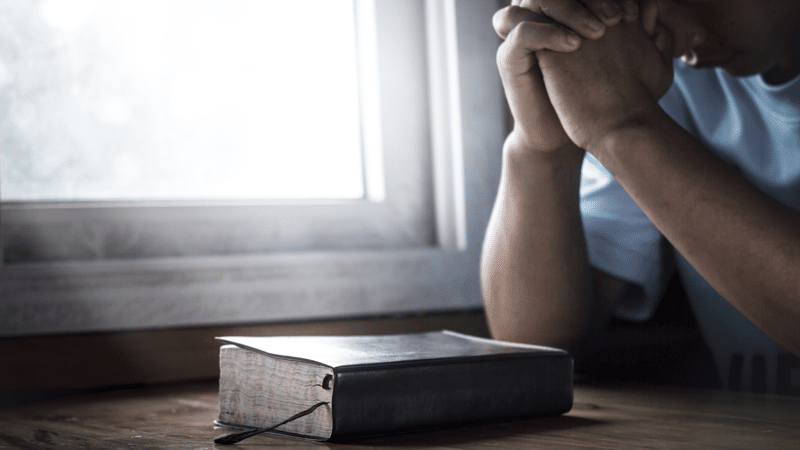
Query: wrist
{"x": 536, "y": 181}
{"x": 620, "y": 134}
{"x": 521, "y": 153}
{"x": 522, "y": 164}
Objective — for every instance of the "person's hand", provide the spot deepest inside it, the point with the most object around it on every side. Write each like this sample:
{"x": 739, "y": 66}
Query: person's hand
{"x": 588, "y": 18}
{"x": 609, "y": 83}
{"x": 532, "y": 25}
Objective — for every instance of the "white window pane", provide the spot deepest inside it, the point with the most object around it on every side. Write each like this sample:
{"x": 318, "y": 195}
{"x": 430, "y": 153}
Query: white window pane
{"x": 178, "y": 100}
{"x": 95, "y": 268}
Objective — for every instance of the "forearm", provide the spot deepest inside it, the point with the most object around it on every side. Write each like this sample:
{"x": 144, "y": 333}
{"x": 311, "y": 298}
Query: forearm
{"x": 535, "y": 274}
{"x": 744, "y": 243}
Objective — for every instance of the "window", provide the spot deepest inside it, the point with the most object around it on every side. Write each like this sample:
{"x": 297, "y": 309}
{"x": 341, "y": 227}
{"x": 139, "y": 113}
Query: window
{"x": 183, "y": 100}
{"x": 409, "y": 242}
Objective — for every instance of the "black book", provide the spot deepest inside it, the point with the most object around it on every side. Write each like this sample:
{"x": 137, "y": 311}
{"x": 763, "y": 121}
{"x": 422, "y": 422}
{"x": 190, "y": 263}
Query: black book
{"x": 366, "y": 385}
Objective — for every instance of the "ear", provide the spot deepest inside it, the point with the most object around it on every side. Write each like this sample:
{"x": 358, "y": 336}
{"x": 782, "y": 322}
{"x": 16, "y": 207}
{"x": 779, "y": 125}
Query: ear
{"x": 687, "y": 32}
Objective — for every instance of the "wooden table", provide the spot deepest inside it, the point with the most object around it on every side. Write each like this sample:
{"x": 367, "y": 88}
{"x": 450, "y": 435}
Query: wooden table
{"x": 604, "y": 416}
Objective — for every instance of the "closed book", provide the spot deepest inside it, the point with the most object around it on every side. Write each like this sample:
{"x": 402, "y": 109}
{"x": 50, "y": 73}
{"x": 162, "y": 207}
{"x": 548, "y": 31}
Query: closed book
{"x": 386, "y": 384}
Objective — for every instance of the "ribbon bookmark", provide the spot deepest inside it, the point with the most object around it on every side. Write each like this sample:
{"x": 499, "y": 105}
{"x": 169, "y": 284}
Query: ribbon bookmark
{"x": 236, "y": 437}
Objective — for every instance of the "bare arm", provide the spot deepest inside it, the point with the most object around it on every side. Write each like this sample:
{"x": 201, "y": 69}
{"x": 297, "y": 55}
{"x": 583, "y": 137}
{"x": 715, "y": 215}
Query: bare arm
{"x": 537, "y": 283}
{"x": 536, "y": 280}
{"x": 745, "y": 244}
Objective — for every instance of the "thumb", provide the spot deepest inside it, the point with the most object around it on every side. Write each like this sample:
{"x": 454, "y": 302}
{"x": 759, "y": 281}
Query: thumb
{"x": 665, "y": 43}
{"x": 649, "y": 15}
{"x": 663, "y": 40}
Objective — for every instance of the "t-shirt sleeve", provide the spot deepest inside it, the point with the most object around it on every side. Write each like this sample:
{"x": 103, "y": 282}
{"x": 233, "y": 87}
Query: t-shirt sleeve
{"x": 620, "y": 238}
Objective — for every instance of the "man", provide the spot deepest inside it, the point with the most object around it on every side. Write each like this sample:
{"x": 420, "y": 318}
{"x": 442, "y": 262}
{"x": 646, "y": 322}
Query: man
{"x": 595, "y": 172}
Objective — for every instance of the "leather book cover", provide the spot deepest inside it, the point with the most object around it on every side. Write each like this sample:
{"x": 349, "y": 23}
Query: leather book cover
{"x": 395, "y": 383}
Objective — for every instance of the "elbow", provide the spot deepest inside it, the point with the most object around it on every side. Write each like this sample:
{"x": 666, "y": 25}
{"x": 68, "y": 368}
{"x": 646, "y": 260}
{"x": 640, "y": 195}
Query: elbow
{"x": 525, "y": 326}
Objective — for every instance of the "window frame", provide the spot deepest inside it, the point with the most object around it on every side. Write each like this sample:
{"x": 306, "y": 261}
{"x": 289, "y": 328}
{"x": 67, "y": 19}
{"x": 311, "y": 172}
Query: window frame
{"x": 396, "y": 212}
{"x": 467, "y": 123}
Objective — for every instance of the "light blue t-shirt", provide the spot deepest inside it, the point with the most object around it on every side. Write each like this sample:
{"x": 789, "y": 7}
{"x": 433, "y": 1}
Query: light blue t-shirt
{"x": 756, "y": 128}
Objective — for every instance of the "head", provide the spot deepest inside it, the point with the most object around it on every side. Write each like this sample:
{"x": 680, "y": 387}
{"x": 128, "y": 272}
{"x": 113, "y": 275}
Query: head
{"x": 744, "y": 37}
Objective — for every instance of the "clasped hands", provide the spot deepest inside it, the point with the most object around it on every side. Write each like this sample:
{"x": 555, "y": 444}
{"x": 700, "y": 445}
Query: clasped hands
{"x": 565, "y": 86}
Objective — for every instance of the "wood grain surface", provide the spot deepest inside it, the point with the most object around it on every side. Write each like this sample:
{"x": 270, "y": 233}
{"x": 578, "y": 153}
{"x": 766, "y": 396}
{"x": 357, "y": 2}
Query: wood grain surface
{"x": 605, "y": 416}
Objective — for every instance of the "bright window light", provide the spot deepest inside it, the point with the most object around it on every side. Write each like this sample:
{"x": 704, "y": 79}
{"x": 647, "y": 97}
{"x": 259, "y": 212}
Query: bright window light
{"x": 179, "y": 100}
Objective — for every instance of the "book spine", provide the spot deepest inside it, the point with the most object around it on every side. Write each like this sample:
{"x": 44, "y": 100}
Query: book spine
{"x": 386, "y": 398}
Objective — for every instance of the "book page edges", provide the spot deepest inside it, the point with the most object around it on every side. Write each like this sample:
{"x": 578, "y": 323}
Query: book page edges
{"x": 259, "y": 390}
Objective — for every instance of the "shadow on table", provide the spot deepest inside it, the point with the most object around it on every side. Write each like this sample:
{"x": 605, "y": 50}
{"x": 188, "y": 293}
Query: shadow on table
{"x": 538, "y": 428}
{"x": 668, "y": 349}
